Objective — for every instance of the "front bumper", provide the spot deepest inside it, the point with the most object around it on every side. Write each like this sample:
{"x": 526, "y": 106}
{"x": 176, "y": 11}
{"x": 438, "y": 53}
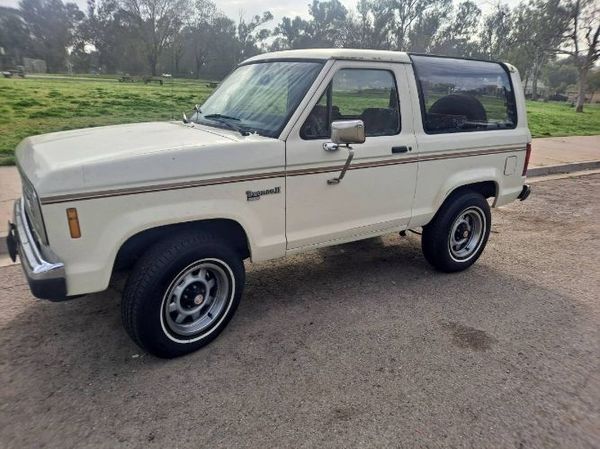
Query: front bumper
{"x": 44, "y": 272}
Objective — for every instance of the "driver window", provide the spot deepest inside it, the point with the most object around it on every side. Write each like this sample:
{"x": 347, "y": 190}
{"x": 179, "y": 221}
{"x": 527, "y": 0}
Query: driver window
{"x": 366, "y": 94}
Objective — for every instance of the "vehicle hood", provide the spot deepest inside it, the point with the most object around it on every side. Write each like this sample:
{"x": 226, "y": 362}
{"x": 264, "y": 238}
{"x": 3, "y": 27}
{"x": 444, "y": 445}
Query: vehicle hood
{"x": 135, "y": 154}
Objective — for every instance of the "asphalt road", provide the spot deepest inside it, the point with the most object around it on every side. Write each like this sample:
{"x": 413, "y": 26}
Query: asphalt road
{"x": 361, "y": 345}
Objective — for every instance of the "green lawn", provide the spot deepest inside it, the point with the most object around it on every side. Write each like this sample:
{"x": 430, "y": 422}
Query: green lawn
{"x": 40, "y": 105}
{"x": 54, "y": 103}
{"x": 554, "y": 119}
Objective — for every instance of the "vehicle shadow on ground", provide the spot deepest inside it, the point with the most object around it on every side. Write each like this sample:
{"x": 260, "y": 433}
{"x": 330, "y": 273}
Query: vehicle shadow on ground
{"x": 345, "y": 315}
{"x": 357, "y": 274}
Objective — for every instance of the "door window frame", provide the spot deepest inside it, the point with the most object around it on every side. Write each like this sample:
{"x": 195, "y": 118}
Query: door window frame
{"x": 329, "y": 90}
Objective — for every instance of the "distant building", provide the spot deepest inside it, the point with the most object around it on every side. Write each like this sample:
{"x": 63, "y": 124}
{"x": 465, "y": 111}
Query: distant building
{"x": 34, "y": 65}
{"x": 542, "y": 90}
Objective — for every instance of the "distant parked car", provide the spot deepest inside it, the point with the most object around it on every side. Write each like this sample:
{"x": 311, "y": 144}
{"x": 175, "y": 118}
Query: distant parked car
{"x": 18, "y": 71}
{"x": 558, "y": 97}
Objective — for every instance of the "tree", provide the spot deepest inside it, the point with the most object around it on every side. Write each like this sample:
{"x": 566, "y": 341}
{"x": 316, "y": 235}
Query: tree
{"x": 594, "y": 81}
{"x": 14, "y": 37}
{"x": 583, "y": 42}
{"x": 424, "y": 32}
{"x": 560, "y": 75}
{"x": 156, "y": 23}
{"x": 106, "y": 29}
{"x": 495, "y": 37}
{"x": 292, "y": 33}
{"x": 252, "y": 34}
{"x": 222, "y": 56}
{"x": 198, "y": 33}
{"x": 327, "y": 27}
{"x": 51, "y": 25}
{"x": 455, "y": 38}
{"x": 414, "y": 16}
{"x": 328, "y": 23}
{"x": 538, "y": 28}
{"x": 372, "y": 27}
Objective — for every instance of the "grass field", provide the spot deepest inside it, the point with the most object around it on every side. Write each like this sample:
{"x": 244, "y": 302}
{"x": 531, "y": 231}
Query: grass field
{"x": 41, "y": 105}
{"x": 554, "y": 119}
{"x": 55, "y": 103}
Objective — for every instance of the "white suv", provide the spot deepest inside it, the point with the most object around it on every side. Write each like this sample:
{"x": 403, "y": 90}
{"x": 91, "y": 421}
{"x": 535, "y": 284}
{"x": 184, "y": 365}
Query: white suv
{"x": 295, "y": 150}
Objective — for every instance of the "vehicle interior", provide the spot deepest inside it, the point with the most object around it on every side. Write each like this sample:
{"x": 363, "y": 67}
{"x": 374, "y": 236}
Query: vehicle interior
{"x": 456, "y": 111}
{"x": 378, "y": 121}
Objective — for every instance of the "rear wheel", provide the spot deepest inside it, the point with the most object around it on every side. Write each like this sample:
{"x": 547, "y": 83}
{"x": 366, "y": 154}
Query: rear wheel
{"x": 182, "y": 293}
{"x": 457, "y": 235}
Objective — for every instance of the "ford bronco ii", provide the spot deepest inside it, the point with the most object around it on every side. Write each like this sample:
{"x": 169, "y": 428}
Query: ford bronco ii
{"x": 295, "y": 150}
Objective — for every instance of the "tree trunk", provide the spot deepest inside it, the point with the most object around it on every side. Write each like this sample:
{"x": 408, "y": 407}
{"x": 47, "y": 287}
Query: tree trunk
{"x": 583, "y": 74}
{"x": 152, "y": 63}
{"x": 198, "y": 65}
{"x": 537, "y": 69}
{"x": 534, "y": 94}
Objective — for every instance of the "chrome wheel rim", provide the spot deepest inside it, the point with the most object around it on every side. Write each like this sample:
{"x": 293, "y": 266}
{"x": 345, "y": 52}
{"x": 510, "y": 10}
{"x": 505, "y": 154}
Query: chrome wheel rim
{"x": 196, "y": 299}
{"x": 466, "y": 234}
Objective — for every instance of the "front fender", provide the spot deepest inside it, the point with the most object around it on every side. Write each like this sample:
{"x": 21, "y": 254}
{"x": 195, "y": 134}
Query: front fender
{"x": 106, "y": 223}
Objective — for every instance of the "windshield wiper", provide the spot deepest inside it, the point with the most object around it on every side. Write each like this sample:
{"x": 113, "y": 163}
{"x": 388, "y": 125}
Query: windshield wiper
{"x": 228, "y": 117}
{"x": 224, "y": 119}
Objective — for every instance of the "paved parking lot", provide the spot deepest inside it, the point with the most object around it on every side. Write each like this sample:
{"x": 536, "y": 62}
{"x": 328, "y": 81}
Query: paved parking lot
{"x": 361, "y": 345}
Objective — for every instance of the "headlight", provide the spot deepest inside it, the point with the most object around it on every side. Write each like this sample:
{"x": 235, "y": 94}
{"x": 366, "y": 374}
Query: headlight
{"x": 34, "y": 211}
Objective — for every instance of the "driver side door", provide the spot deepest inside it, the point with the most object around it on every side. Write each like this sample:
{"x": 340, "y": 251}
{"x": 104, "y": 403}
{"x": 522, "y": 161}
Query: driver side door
{"x": 376, "y": 194}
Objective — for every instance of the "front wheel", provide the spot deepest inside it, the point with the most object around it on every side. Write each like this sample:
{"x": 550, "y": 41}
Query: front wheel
{"x": 457, "y": 235}
{"x": 182, "y": 293}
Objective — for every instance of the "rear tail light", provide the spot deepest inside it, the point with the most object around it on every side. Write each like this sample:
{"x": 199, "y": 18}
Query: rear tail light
{"x": 527, "y": 156}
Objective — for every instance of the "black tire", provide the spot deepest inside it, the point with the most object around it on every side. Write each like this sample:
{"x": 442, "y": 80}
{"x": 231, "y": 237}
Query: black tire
{"x": 144, "y": 307}
{"x": 436, "y": 239}
{"x": 461, "y": 105}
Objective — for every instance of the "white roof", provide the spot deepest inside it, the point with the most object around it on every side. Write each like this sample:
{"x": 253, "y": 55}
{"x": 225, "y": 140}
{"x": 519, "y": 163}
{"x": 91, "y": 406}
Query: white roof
{"x": 335, "y": 53}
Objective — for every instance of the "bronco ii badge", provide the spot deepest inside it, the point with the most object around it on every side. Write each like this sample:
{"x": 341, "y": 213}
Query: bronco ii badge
{"x": 253, "y": 196}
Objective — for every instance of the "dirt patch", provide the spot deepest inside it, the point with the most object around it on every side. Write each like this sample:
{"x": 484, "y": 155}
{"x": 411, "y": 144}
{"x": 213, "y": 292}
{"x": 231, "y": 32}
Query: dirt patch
{"x": 469, "y": 337}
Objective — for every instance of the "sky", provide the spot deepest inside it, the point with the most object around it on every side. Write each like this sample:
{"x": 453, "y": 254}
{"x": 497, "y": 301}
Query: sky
{"x": 279, "y": 8}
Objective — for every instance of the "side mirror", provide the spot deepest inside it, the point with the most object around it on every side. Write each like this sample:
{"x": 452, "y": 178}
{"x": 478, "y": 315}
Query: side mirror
{"x": 345, "y": 132}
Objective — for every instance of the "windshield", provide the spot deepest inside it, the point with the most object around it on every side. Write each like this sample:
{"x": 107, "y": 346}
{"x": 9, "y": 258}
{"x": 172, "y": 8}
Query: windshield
{"x": 258, "y": 97}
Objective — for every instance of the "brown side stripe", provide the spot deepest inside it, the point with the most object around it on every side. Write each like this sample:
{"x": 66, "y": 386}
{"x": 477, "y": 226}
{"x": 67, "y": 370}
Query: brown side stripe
{"x": 402, "y": 160}
{"x": 278, "y": 174}
{"x": 157, "y": 188}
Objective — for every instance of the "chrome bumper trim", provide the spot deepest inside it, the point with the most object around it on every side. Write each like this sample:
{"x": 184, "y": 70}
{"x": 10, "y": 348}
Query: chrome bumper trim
{"x": 39, "y": 264}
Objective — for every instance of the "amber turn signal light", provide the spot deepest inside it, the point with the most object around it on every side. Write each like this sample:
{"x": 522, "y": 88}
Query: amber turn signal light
{"x": 73, "y": 223}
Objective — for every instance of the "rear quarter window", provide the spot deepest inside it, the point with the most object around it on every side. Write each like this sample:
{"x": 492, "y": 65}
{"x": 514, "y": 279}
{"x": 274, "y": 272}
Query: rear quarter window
{"x": 459, "y": 95}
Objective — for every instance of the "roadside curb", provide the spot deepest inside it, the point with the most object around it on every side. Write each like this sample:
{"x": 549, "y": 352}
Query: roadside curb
{"x": 564, "y": 168}
{"x": 3, "y": 248}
